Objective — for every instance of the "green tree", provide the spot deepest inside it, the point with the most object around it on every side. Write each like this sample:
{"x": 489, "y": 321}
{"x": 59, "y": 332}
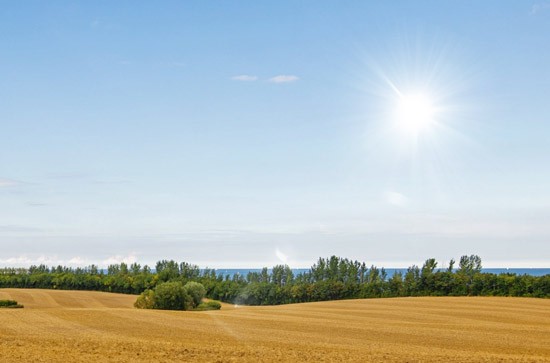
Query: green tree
{"x": 172, "y": 296}
{"x": 427, "y": 276}
{"x": 167, "y": 270}
{"x": 451, "y": 265}
{"x": 196, "y": 291}
{"x": 469, "y": 265}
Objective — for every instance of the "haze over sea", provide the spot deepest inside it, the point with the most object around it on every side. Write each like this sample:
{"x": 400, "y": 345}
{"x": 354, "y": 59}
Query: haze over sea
{"x": 391, "y": 271}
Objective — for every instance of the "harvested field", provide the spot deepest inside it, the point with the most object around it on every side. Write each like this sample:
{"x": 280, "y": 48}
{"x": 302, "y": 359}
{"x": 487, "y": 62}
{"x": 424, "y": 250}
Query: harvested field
{"x": 73, "y": 326}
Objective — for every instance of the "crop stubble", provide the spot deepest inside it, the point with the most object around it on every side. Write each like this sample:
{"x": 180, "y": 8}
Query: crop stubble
{"x": 61, "y": 326}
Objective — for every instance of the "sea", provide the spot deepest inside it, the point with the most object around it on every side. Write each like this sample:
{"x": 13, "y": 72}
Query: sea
{"x": 391, "y": 271}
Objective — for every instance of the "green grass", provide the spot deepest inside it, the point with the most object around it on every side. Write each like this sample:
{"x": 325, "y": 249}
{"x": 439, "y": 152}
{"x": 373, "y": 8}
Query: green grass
{"x": 209, "y": 305}
{"x": 10, "y": 304}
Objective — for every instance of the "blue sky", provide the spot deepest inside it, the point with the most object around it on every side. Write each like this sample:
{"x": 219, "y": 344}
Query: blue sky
{"x": 246, "y": 134}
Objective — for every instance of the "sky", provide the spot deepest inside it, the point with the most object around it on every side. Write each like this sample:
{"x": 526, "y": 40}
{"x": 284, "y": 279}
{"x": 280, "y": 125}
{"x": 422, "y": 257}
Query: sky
{"x": 248, "y": 134}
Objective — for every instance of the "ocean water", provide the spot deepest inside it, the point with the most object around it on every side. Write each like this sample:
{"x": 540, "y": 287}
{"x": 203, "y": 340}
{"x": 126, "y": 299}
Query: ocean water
{"x": 391, "y": 271}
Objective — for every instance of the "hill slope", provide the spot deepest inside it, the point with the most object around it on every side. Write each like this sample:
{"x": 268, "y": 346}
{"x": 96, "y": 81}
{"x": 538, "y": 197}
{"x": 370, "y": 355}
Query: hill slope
{"x": 60, "y": 326}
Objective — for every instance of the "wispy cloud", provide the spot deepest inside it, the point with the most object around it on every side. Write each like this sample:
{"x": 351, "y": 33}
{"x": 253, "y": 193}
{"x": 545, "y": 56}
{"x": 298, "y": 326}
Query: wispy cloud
{"x": 8, "y": 182}
{"x": 66, "y": 175}
{"x": 397, "y": 199}
{"x": 111, "y": 181}
{"x": 37, "y": 204}
{"x": 283, "y": 78}
{"x": 18, "y": 228}
{"x": 537, "y": 8}
{"x": 244, "y": 78}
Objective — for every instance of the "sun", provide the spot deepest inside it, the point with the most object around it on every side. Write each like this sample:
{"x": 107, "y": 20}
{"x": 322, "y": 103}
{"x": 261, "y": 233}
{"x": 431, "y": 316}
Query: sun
{"x": 414, "y": 112}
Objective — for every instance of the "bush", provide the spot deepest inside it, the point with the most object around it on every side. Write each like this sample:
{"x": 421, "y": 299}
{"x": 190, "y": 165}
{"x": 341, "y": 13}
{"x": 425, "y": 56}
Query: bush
{"x": 172, "y": 296}
{"x": 209, "y": 305}
{"x": 6, "y": 303}
{"x": 175, "y": 296}
{"x": 165, "y": 296}
{"x": 10, "y": 304}
{"x": 146, "y": 300}
{"x": 196, "y": 291}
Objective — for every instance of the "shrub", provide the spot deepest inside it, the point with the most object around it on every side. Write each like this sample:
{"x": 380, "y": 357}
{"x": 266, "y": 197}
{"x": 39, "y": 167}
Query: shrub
{"x": 165, "y": 296}
{"x": 146, "y": 300}
{"x": 175, "y": 296}
{"x": 5, "y": 303}
{"x": 196, "y": 291}
{"x": 209, "y": 305}
{"x": 172, "y": 296}
{"x": 10, "y": 304}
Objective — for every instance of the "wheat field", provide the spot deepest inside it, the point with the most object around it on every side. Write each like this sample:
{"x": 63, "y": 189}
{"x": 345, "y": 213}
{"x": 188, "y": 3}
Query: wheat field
{"x": 82, "y": 326}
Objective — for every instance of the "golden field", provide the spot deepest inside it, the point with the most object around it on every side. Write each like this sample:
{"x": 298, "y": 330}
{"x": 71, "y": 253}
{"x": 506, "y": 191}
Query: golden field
{"x": 82, "y": 326}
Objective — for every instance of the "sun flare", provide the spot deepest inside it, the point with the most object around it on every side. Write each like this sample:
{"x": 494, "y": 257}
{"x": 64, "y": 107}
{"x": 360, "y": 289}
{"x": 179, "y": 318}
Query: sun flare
{"x": 415, "y": 112}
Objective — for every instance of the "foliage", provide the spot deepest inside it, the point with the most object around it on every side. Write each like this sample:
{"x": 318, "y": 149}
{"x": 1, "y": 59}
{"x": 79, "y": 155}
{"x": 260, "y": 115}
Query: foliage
{"x": 328, "y": 279}
{"x": 209, "y": 305}
{"x": 196, "y": 291}
{"x": 10, "y": 304}
{"x": 146, "y": 300}
{"x": 172, "y": 296}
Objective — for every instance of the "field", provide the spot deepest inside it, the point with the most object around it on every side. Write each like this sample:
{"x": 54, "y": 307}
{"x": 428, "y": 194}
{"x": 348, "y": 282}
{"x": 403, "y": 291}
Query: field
{"x": 73, "y": 326}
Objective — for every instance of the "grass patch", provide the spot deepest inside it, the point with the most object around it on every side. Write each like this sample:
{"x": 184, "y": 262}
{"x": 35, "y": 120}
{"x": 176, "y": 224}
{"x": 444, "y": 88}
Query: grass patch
{"x": 10, "y": 304}
{"x": 209, "y": 305}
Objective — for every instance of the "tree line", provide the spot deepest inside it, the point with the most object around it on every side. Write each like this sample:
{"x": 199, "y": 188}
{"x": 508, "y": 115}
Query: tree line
{"x": 331, "y": 278}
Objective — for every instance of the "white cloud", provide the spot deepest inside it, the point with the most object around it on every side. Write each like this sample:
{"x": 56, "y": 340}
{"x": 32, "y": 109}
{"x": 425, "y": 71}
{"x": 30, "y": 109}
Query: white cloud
{"x": 7, "y": 183}
{"x": 26, "y": 261}
{"x": 397, "y": 199}
{"x": 78, "y": 261}
{"x": 244, "y": 78}
{"x": 131, "y": 258}
{"x": 283, "y": 79}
